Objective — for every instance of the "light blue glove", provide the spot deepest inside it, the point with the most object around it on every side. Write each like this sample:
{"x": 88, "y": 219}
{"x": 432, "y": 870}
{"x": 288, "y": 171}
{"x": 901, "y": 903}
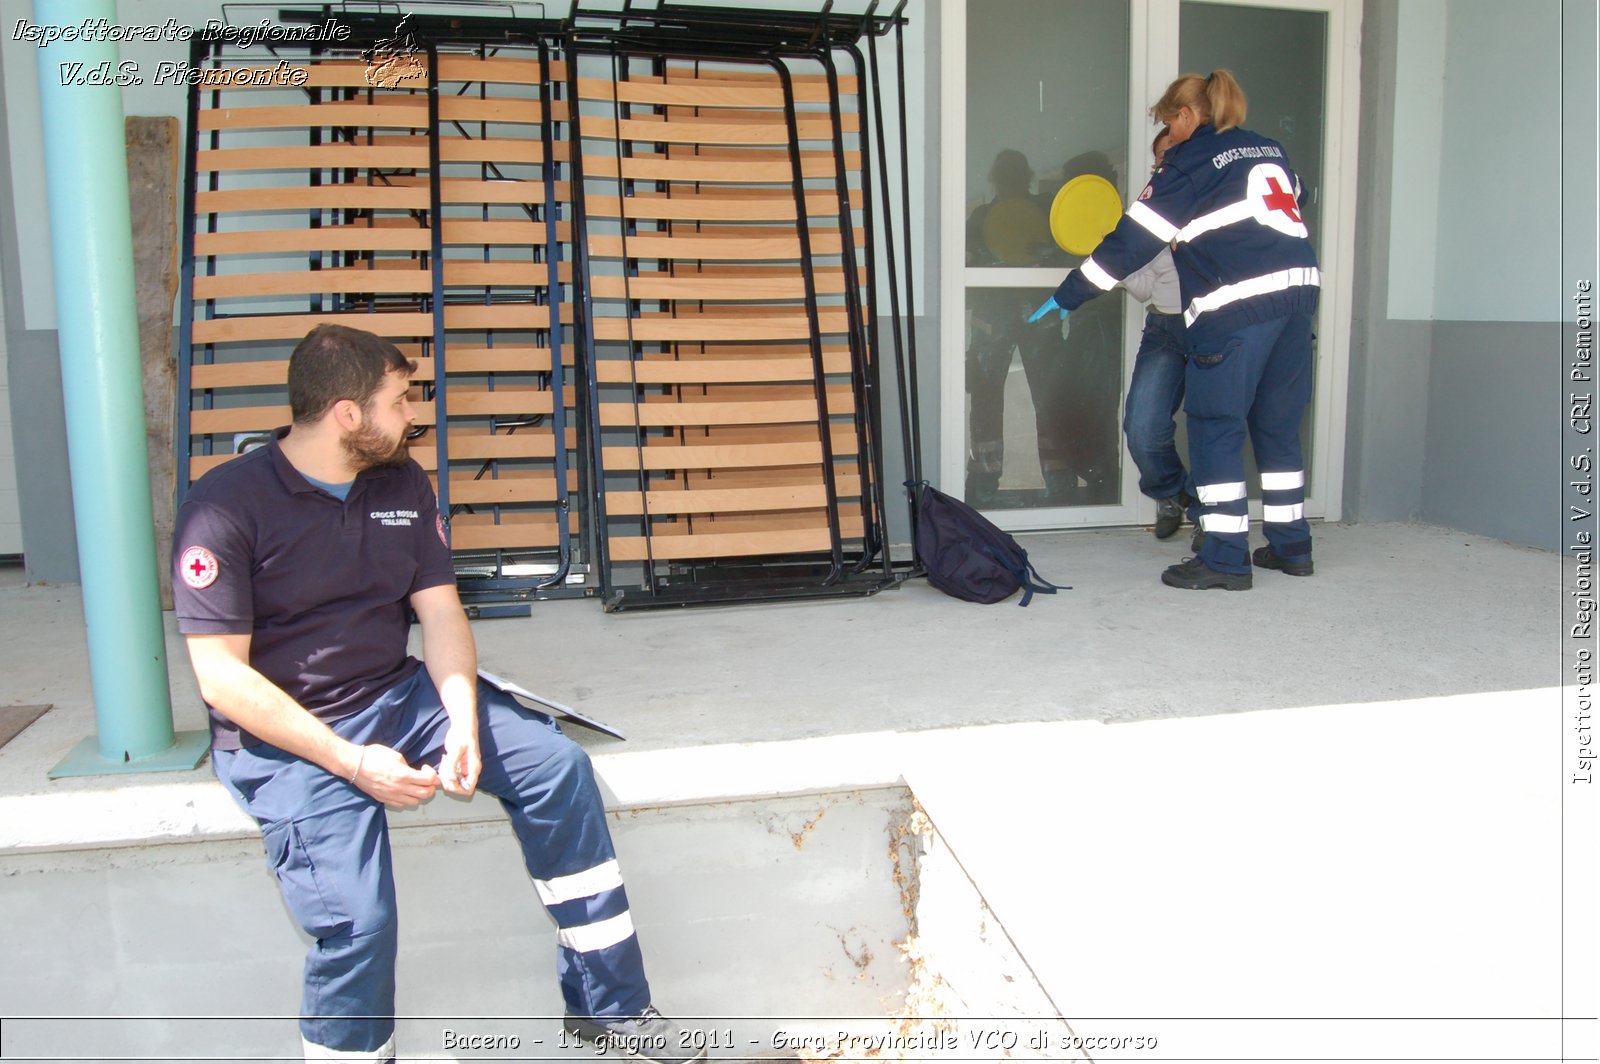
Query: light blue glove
{"x": 1049, "y": 305}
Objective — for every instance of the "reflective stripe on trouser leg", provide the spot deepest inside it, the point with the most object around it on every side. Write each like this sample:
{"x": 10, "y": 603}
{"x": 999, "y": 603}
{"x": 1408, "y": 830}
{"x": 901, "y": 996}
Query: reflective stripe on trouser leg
{"x": 547, "y": 785}
{"x": 1275, "y": 417}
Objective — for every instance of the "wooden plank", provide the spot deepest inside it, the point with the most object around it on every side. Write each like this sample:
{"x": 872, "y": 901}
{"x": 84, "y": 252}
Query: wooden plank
{"x": 263, "y": 418}
{"x": 659, "y": 415}
{"x": 808, "y": 88}
{"x": 479, "y": 532}
{"x": 721, "y": 545}
{"x": 788, "y": 326}
{"x": 703, "y": 131}
{"x": 496, "y": 316}
{"x": 499, "y": 109}
{"x": 524, "y": 443}
{"x": 707, "y": 371}
{"x": 664, "y": 502}
{"x": 503, "y": 491}
{"x": 390, "y": 112}
{"x": 502, "y": 402}
{"x": 716, "y": 246}
{"x": 460, "y": 272}
{"x": 461, "y": 190}
{"x": 750, "y": 205}
{"x": 454, "y": 231}
{"x": 510, "y": 358}
{"x": 265, "y": 373}
{"x": 494, "y": 71}
{"x": 152, "y": 152}
{"x": 324, "y": 74}
{"x": 319, "y": 157}
{"x": 322, "y": 197}
{"x": 305, "y": 282}
{"x": 712, "y": 456}
{"x": 294, "y": 326}
{"x": 742, "y": 165}
{"x": 324, "y": 238}
{"x": 453, "y": 149}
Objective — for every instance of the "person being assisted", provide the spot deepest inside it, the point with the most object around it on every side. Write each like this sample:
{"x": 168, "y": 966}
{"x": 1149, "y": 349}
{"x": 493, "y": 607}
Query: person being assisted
{"x": 295, "y": 567}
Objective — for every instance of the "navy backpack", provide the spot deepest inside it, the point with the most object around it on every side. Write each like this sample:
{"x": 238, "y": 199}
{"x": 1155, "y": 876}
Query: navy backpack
{"x": 968, "y": 557}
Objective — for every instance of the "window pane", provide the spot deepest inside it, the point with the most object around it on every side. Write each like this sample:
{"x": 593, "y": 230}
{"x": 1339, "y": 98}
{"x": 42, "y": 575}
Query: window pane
{"x": 1047, "y": 101}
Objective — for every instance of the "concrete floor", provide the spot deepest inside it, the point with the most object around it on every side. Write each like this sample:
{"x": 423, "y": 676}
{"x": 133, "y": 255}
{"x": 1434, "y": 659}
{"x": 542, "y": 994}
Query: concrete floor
{"x": 1327, "y": 859}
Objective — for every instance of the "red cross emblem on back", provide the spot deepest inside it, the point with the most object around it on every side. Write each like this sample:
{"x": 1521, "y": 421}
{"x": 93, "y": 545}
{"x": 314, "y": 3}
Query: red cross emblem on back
{"x": 1281, "y": 199}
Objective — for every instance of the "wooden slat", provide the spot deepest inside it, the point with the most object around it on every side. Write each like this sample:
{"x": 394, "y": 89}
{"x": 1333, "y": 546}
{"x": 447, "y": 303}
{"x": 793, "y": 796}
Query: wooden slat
{"x": 659, "y": 415}
{"x": 498, "y": 316}
{"x": 502, "y": 491}
{"x": 524, "y": 443}
{"x": 322, "y": 197}
{"x": 264, "y": 373}
{"x": 727, "y": 500}
{"x": 716, "y": 247}
{"x": 722, "y": 545}
{"x": 745, "y": 166}
{"x": 750, "y": 205}
{"x": 453, "y": 149}
{"x": 702, "y": 131}
{"x": 775, "y": 326}
{"x": 808, "y": 88}
{"x": 319, "y": 157}
{"x": 498, "y": 109}
{"x": 461, "y": 190}
{"x": 502, "y": 402}
{"x": 455, "y": 231}
{"x": 305, "y": 282}
{"x": 459, "y": 272}
{"x": 510, "y": 358}
{"x": 294, "y": 326}
{"x": 392, "y": 112}
{"x": 262, "y": 418}
{"x": 495, "y": 71}
{"x": 325, "y": 238}
{"x": 534, "y": 530}
{"x": 707, "y": 371}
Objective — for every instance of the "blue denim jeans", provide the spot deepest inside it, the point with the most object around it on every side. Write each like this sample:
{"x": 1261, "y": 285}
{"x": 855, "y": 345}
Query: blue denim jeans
{"x": 327, "y": 842}
{"x": 1154, "y": 396}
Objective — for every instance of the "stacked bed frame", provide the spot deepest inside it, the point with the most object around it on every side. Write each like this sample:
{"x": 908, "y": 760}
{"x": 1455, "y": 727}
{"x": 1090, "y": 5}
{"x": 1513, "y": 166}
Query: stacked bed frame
{"x": 635, "y": 255}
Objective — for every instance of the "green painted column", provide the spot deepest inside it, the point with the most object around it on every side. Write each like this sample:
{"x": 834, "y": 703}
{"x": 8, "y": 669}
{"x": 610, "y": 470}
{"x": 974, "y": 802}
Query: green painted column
{"x": 86, "y": 171}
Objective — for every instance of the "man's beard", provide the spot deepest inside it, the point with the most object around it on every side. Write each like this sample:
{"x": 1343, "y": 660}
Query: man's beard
{"x": 370, "y": 449}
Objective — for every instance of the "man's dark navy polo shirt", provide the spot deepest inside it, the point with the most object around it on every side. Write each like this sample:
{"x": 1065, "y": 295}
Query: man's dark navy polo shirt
{"x": 320, "y": 585}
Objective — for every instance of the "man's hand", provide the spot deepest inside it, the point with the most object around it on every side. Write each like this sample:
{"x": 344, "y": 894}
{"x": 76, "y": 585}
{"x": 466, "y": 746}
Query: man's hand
{"x": 385, "y": 775}
{"x": 459, "y": 768}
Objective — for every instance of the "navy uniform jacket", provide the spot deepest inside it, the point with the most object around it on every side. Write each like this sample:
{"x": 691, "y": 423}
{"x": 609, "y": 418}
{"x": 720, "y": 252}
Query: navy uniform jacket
{"x": 1228, "y": 203}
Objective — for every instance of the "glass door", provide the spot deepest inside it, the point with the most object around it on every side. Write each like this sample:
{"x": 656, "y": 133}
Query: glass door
{"x": 1040, "y": 403}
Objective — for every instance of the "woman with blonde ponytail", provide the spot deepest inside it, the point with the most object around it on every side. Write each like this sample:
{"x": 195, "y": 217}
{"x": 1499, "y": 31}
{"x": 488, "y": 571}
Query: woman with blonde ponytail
{"x": 1227, "y": 203}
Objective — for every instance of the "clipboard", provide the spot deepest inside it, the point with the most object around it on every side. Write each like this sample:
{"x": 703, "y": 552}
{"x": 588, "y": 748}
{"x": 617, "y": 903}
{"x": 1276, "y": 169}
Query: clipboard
{"x": 556, "y": 709}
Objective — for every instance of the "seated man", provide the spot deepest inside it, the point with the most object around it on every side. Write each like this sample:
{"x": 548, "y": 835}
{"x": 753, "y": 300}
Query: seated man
{"x": 294, "y": 567}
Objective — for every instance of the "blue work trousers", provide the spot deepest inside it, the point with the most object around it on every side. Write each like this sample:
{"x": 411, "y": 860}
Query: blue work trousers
{"x": 327, "y": 842}
{"x": 1154, "y": 396}
{"x": 1254, "y": 381}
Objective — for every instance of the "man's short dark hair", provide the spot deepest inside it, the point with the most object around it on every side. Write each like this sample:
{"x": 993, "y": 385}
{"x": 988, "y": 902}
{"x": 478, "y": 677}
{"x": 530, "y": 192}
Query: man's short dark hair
{"x": 335, "y": 362}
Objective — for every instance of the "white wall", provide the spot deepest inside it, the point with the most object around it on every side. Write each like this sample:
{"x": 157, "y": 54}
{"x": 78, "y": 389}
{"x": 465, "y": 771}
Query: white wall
{"x": 1476, "y": 218}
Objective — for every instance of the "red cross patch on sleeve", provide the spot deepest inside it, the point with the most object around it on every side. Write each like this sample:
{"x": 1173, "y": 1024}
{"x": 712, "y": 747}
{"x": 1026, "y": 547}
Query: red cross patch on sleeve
{"x": 199, "y": 567}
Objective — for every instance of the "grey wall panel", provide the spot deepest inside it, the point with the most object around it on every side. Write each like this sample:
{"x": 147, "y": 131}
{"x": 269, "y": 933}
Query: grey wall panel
{"x": 38, "y": 418}
{"x": 1496, "y": 398}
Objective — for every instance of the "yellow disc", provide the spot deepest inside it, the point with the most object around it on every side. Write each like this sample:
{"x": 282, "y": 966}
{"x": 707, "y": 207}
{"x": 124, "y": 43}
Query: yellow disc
{"x": 1016, "y": 231}
{"x": 1084, "y": 211}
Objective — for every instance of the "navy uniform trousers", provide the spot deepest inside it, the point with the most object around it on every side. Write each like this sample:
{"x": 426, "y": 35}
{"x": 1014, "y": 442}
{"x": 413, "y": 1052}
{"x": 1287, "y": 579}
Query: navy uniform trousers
{"x": 1254, "y": 381}
{"x": 327, "y": 842}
